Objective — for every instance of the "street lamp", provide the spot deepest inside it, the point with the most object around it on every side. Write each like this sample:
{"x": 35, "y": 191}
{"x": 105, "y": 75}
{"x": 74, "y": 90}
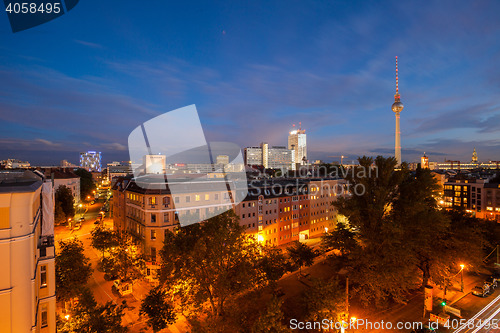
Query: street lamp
{"x": 462, "y": 266}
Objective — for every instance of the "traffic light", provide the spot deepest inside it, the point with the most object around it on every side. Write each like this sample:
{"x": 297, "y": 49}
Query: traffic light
{"x": 443, "y": 303}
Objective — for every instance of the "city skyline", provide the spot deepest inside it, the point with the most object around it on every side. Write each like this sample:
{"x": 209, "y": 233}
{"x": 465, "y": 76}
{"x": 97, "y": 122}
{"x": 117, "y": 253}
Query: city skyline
{"x": 77, "y": 86}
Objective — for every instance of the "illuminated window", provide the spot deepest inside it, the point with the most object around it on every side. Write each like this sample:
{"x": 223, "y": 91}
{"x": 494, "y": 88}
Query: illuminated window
{"x": 197, "y": 197}
{"x": 43, "y": 276}
{"x": 207, "y": 196}
{"x": 152, "y": 200}
{"x": 153, "y": 234}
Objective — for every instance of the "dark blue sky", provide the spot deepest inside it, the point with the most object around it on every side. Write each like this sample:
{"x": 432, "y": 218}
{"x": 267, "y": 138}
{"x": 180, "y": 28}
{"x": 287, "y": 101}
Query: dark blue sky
{"x": 85, "y": 80}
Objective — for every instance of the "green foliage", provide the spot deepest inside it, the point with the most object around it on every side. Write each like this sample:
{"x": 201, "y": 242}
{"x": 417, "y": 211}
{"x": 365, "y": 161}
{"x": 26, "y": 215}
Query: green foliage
{"x": 324, "y": 300}
{"x": 90, "y": 317}
{"x": 401, "y": 238}
{"x": 159, "y": 311}
{"x": 274, "y": 264}
{"x": 64, "y": 204}
{"x": 86, "y": 183}
{"x": 103, "y": 239}
{"x": 342, "y": 238}
{"x": 210, "y": 262}
{"x": 301, "y": 255}
{"x": 271, "y": 319}
{"x": 124, "y": 260}
{"x": 73, "y": 269}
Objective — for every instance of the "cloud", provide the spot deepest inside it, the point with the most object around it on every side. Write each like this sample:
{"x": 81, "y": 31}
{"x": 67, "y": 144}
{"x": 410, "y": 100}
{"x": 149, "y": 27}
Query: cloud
{"x": 114, "y": 146}
{"x": 48, "y": 143}
{"x": 89, "y": 44}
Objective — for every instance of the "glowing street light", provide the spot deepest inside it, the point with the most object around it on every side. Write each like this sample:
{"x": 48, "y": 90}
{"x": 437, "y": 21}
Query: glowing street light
{"x": 462, "y": 266}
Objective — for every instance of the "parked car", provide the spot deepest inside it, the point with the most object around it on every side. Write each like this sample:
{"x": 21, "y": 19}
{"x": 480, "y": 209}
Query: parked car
{"x": 82, "y": 219}
{"x": 124, "y": 288}
{"x": 492, "y": 282}
{"x": 481, "y": 291}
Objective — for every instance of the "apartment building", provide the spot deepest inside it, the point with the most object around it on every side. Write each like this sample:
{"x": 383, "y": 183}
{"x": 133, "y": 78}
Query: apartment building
{"x": 27, "y": 281}
{"x": 477, "y": 196}
{"x": 276, "y": 212}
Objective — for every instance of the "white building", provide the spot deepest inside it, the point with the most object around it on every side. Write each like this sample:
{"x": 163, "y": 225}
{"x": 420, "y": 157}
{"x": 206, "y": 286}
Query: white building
{"x": 68, "y": 179}
{"x": 297, "y": 143}
{"x": 274, "y": 157}
{"x": 155, "y": 164}
{"x": 27, "y": 280}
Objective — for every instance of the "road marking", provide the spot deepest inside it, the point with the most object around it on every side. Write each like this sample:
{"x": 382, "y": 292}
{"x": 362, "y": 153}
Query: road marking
{"x": 478, "y": 314}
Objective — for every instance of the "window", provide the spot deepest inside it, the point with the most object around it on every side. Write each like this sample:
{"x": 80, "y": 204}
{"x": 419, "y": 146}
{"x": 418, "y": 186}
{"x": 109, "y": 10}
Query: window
{"x": 188, "y": 198}
{"x": 153, "y": 253}
{"x": 217, "y": 197}
{"x": 43, "y": 316}
{"x": 153, "y": 218}
{"x": 207, "y": 196}
{"x": 166, "y": 218}
{"x": 176, "y": 200}
{"x": 152, "y": 200}
{"x": 153, "y": 234}
{"x": 197, "y": 197}
{"x": 166, "y": 201}
{"x": 43, "y": 276}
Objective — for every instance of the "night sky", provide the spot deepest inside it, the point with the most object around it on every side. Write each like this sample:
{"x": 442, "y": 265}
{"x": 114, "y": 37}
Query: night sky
{"x": 85, "y": 80}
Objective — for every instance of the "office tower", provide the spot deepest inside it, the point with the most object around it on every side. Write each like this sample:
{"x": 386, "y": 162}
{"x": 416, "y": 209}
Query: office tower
{"x": 297, "y": 143}
{"x": 91, "y": 161}
{"x": 154, "y": 164}
{"x": 275, "y": 157}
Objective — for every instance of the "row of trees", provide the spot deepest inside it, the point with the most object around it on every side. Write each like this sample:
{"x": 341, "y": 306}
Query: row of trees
{"x": 73, "y": 270}
{"x": 397, "y": 237}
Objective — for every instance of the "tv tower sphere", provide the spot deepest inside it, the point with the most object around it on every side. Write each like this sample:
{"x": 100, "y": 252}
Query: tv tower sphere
{"x": 397, "y": 106}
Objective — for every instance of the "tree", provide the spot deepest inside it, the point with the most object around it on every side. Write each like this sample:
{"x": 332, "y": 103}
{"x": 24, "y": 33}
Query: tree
{"x": 103, "y": 239}
{"x": 271, "y": 319}
{"x": 324, "y": 300}
{"x": 73, "y": 269}
{"x": 273, "y": 264}
{"x": 90, "y": 317}
{"x": 301, "y": 255}
{"x": 159, "y": 311}
{"x": 374, "y": 184}
{"x": 64, "y": 203}
{"x": 210, "y": 262}
{"x": 86, "y": 182}
{"x": 342, "y": 238}
{"x": 125, "y": 260}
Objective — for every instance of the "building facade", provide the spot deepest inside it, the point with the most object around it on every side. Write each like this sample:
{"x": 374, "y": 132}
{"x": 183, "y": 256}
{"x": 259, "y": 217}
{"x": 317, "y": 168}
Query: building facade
{"x": 91, "y": 161}
{"x": 274, "y": 212}
{"x": 27, "y": 282}
{"x": 298, "y": 143}
{"x": 275, "y": 157}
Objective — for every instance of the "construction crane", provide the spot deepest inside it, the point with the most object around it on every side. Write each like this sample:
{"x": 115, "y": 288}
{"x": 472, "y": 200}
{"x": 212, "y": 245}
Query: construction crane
{"x": 341, "y": 158}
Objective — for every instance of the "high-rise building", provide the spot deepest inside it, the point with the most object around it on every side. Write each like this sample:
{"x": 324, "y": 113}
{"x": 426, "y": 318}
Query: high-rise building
{"x": 91, "y": 161}
{"x": 275, "y": 157}
{"x": 397, "y": 107}
{"x": 27, "y": 281}
{"x": 297, "y": 143}
{"x": 155, "y": 164}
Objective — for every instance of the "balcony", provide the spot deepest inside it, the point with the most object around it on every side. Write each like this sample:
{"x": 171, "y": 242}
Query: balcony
{"x": 46, "y": 246}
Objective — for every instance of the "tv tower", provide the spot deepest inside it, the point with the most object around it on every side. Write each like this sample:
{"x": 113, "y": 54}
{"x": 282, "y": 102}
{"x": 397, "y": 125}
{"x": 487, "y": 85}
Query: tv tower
{"x": 397, "y": 107}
